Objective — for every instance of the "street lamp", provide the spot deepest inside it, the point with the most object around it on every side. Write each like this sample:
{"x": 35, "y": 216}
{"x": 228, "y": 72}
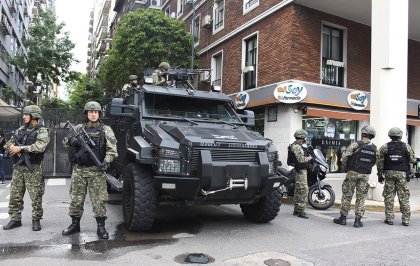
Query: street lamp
{"x": 192, "y": 2}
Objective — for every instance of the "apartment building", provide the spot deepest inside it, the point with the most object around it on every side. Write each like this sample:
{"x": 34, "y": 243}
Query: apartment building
{"x": 298, "y": 64}
{"x": 104, "y": 20}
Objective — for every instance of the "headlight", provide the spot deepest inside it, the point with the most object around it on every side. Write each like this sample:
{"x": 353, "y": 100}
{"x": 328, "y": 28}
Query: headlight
{"x": 169, "y": 161}
{"x": 323, "y": 168}
{"x": 169, "y": 166}
{"x": 272, "y": 160}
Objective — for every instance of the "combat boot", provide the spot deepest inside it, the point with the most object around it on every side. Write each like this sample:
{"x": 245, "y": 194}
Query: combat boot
{"x": 73, "y": 228}
{"x": 101, "y": 232}
{"x": 341, "y": 220}
{"x": 36, "y": 225}
{"x": 358, "y": 223}
{"x": 12, "y": 224}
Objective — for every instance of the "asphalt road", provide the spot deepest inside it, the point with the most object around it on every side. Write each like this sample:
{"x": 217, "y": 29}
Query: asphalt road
{"x": 220, "y": 232}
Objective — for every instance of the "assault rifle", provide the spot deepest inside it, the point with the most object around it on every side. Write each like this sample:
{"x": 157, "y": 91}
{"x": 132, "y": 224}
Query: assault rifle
{"x": 23, "y": 156}
{"x": 86, "y": 142}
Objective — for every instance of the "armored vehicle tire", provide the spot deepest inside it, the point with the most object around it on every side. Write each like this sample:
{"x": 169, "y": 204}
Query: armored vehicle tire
{"x": 264, "y": 210}
{"x": 139, "y": 198}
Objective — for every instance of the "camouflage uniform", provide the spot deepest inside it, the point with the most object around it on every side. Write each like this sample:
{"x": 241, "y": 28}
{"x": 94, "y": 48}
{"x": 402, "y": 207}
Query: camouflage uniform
{"x": 354, "y": 180}
{"x": 23, "y": 178}
{"x": 90, "y": 178}
{"x": 395, "y": 183}
{"x": 301, "y": 182}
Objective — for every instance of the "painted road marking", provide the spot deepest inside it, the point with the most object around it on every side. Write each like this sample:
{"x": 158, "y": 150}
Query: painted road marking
{"x": 4, "y": 216}
{"x": 4, "y": 204}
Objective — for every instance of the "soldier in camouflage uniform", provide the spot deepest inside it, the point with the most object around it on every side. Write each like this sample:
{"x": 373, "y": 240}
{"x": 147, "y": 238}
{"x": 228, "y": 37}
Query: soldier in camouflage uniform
{"x": 131, "y": 86}
{"x": 299, "y": 159}
{"x": 29, "y": 142}
{"x": 394, "y": 160}
{"x": 86, "y": 176}
{"x": 358, "y": 160}
{"x": 160, "y": 80}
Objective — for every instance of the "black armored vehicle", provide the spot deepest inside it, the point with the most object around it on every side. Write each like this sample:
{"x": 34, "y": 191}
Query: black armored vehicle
{"x": 179, "y": 145}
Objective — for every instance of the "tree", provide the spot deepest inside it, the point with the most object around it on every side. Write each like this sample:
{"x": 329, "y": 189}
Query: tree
{"x": 144, "y": 38}
{"x": 54, "y": 103}
{"x": 83, "y": 90}
{"x": 48, "y": 51}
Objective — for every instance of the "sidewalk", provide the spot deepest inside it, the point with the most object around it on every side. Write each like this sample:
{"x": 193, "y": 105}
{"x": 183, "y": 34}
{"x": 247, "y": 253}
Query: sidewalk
{"x": 336, "y": 180}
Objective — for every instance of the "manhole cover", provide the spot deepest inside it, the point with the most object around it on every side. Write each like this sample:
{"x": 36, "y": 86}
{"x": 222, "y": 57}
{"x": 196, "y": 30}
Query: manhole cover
{"x": 197, "y": 258}
{"x": 276, "y": 262}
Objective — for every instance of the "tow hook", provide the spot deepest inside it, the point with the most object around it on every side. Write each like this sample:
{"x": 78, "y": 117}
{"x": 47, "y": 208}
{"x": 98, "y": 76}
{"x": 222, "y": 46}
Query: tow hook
{"x": 232, "y": 183}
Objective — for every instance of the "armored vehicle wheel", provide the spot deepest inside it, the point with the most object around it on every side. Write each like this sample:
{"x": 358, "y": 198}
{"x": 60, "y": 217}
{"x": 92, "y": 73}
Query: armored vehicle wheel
{"x": 264, "y": 210}
{"x": 139, "y": 198}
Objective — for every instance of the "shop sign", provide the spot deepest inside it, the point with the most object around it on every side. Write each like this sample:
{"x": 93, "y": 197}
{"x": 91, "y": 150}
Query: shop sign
{"x": 290, "y": 92}
{"x": 241, "y": 100}
{"x": 357, "y": 100}
{"x": 330, "y": 142}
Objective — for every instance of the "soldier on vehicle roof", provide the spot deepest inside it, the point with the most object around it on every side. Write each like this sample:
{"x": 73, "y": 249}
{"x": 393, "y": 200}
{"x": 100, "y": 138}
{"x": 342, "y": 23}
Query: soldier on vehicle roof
{"x": 157, "y": 78}
{"x": 27, "y": 147}
{"x": 85, "y": 175}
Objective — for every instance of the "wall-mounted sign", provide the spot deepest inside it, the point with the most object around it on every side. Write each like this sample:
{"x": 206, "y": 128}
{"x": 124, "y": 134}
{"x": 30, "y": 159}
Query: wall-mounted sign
{"x": 357, "y": 100}
{"x": 242, "y": 100}
{"x": 290, "y": 92}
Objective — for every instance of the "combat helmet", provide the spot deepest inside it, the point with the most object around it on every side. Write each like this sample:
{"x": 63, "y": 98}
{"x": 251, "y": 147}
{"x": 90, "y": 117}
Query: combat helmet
{"x": 395, "y": 132}
{"x": 92, "y": 106}
{"x": 33, "y": 110}
{"x": 300, "y": 134}
{"x": 132, "y": 77}
{"x": 370, "y": 131}
{"x": 165, "y": 65}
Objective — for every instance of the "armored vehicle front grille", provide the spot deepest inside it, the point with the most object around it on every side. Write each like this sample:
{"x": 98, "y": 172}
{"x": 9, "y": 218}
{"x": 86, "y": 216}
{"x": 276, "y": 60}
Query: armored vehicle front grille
{"x": 227, "y": 155}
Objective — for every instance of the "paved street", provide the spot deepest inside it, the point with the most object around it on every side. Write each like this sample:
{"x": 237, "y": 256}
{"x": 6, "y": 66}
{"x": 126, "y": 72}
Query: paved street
{"x": 220, "y": 232}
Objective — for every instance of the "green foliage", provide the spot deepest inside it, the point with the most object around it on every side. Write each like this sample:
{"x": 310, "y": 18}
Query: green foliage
{"x": 84, "y": 90}
{"x": 48, "y": 51}
{"x": 54, "y": 103}
{"x": 7, "y": 94}
{"x": 144, "y": 38}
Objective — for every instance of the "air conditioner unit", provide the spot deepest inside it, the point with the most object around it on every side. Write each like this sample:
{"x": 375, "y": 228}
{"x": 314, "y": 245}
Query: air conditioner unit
{"x": 207, "y": 21}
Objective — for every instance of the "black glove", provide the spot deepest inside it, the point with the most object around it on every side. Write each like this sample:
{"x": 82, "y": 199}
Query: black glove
{"x": 104, "y": 166}
{"x": 381, "y": 178}
{"x": 74, "y": 142}
{"x": 82, "y": 156}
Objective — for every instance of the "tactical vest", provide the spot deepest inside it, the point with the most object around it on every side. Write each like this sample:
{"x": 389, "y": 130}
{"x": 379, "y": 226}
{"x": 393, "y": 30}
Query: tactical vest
{"x": 396, "y": 158}
{"x": 292, "y": 160}
{"x": 363, "y": 159}
{"x": 26, "y": 138}
{"x": 97, "y": 135}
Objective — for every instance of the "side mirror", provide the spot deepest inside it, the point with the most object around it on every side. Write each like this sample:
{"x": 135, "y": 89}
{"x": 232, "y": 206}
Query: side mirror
{"x": 248, "y": 118}
{"x": 122, "y": 110}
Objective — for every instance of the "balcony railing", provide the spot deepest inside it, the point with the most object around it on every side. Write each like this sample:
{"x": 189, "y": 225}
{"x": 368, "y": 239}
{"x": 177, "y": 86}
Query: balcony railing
{"x": 331, "y": 74}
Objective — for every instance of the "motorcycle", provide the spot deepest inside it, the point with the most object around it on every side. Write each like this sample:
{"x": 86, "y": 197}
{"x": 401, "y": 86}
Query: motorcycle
{"x": 321, "y": 196}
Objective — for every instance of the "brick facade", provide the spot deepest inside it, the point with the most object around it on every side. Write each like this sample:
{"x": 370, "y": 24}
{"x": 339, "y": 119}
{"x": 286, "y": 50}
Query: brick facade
{"x": 289, "y": 45}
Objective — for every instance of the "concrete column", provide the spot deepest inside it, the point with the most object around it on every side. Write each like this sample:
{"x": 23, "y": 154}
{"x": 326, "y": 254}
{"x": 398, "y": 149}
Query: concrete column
{"x": 388, "y": 72}
{"x": 281, "y": 132}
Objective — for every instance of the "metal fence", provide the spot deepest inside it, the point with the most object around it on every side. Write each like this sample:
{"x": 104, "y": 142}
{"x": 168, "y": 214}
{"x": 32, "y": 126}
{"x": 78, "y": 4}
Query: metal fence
{"x": 56, "y": 162}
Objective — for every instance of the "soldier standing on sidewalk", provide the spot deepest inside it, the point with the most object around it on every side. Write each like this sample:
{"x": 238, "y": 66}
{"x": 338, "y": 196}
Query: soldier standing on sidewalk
{"x": 86, "y": 176}
{"x": 394, "y": 160}
{"x": 27, "y": 147}
{"x": 299, "y": 159}
{"x": 357, "y": 162}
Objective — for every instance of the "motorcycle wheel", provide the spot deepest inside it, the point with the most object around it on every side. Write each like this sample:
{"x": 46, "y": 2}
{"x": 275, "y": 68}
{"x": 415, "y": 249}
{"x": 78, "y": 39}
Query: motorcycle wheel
{"x": 321, "y": 203}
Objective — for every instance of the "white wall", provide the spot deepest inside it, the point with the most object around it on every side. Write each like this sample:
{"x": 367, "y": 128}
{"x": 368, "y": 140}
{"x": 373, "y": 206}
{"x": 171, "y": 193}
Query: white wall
{"x": 281, "y": 132}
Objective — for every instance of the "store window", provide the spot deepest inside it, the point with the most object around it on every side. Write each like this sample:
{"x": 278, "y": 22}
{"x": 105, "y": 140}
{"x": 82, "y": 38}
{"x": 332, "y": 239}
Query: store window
{"x": 331, "y": 136}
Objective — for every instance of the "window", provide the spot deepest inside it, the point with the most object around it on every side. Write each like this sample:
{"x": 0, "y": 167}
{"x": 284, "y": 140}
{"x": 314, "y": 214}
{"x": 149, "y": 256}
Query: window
{"x": 250, "y": 4}
{"x": 250, "y": 69}
{"x": 216, "y": 71}
{"x": 180, "y": 10}
{"x": 168, "y": 11}
{"x": 196, "y": 30}
{"x": 332, "y": 69}
{"x": 219, "y": 15}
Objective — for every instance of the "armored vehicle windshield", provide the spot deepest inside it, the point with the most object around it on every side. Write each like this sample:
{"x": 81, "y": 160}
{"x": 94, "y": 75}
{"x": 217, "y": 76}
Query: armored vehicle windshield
{"x": 161, "y": 105}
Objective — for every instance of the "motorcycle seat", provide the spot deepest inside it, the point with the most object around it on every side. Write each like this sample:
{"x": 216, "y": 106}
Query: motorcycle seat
{"x": 285, "y": 172}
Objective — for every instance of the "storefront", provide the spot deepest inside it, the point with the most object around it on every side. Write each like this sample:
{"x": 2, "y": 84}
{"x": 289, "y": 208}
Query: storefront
{"x": 332, "y": 116}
